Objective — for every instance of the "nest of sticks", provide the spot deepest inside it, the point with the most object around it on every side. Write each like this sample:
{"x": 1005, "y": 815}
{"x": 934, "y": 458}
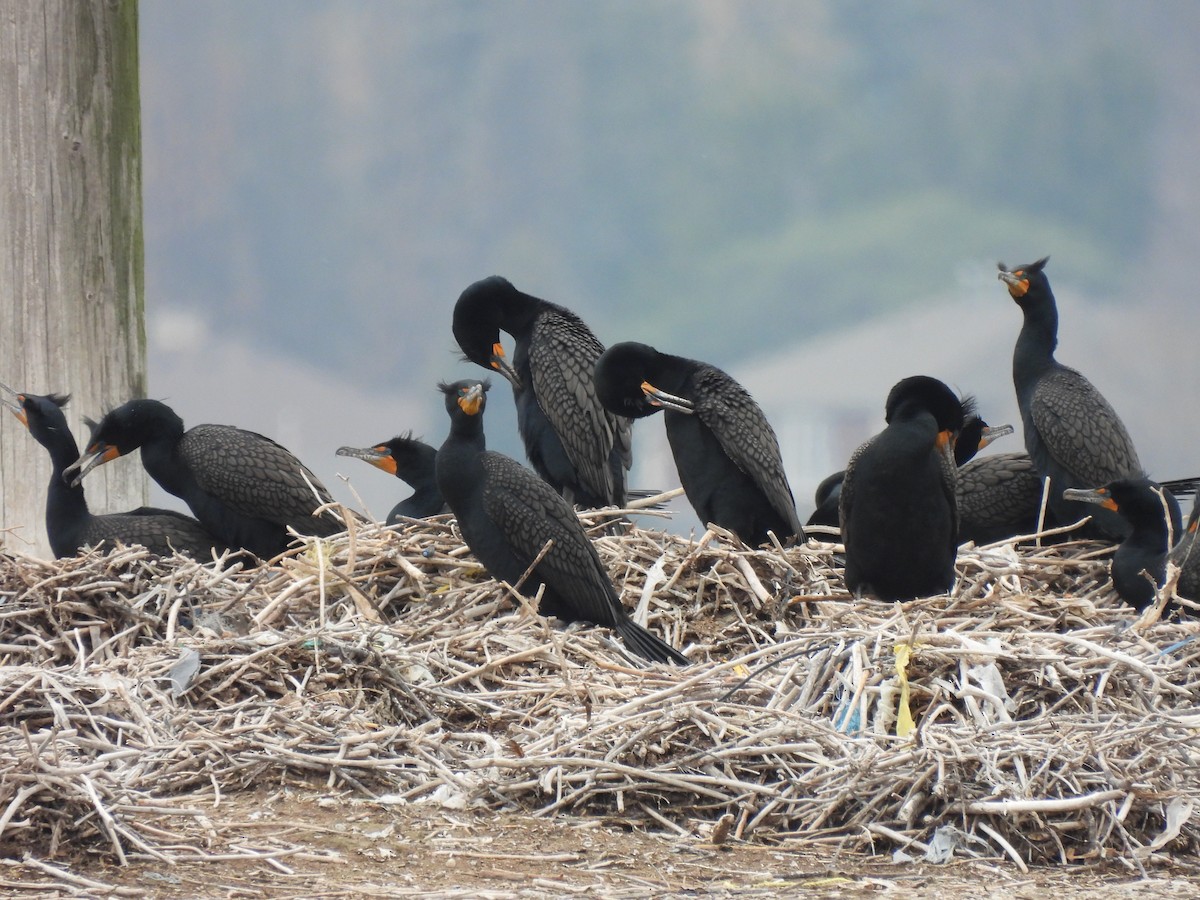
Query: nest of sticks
{"x": 1029, "y": 714}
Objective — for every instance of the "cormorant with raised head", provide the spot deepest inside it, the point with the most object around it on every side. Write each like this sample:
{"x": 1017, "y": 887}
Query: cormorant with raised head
{"x": 899, "y": 515}
{"x": 507, "y": 515}
{"x": 244, "y": 488}
{"x": 579, "y": 447}
{"x": 1154, "y": 524}
{"x": 412, "y": 461}
{"x": 725, "y": 450}
{"x": 70, "y": 525}
{"x": 1073, "y": 435}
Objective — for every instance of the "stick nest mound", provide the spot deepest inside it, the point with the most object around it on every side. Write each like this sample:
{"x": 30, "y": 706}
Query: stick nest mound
{"x": 1029, "y": 714}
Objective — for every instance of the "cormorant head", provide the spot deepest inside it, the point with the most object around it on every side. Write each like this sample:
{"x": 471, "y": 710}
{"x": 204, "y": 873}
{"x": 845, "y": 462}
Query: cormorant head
{"x": 400, "y": 456}
{"x": 466, "y": 397}
{"x": 478, "y": 315}
{"x": 43, "y": 415}
{"x": 1027, "y": 282}
{"x": 976, "y": 434}
{"x": 923, "y": 394}
{"x": 625, "y": 377}
{"x": 122, "y": 431}
{"x": 1138, "y": 500}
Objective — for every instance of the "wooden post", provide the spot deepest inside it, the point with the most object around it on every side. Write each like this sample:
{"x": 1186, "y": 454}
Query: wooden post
{"x": 71, "y": 288}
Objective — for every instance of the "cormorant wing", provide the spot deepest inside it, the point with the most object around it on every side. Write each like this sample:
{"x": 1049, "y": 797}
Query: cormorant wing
{"x": 1080, "y": 430}
{"x": 528, "y": 512}
{"x": 562, "y": 358}
{"x": 252, "y": 474}
{"x": 746, "y": 437}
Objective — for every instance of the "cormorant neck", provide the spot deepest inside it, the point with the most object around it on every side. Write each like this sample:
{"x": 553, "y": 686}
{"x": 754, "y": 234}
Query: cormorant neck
{"x": 520, "y": 311}
{"x": 66, "y": 506}
{"x": 1034, "y": 351}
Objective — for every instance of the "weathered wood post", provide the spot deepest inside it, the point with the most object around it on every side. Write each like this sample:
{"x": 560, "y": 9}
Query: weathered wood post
{"x": 71, "y": 304}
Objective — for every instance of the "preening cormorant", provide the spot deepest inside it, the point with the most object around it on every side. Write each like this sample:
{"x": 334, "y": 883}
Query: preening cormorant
{"x": 70, "y": 525}
{"x": 579, "y": 447}
{"x": 725, "y": 450}
{"x": 507, "y": 514}
{"x": 412, "y": 461}
{"x": 976, "y": 435}
{"x": 899, "y": 515}
{"x": 1072, "y": 433}
{"x": 1154, "y": 524}
{"x": 244, "y": 488}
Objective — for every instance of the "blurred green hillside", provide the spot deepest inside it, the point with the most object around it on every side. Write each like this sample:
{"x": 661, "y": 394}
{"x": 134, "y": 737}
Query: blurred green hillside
{"x": 721, "y": 178}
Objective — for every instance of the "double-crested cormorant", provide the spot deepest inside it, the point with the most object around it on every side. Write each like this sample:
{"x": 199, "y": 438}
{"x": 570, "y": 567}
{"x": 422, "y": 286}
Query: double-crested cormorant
{"x": 899, "y": 516}
{"x": 1154, "y": 522}
{"x": 976, "y": 435}
{"x": 725, "y": 451}
{"x": 412, "y": 461}
{"x": 582, "y": 449}
{"x": 1071, "y": 432}
{"x": 507, "y": 514}
{"x": 243, "y": 487}
{"x": 70, "y": 525}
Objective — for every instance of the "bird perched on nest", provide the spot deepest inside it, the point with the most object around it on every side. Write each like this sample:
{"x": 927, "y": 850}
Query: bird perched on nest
{"x": 976, "y": 435}
{"x": 244, "y": 488}
{"x": 413, "y": 462}
{"x": 899, "y": 515}
{"x": 579, "y": 447}
{"x": 1154, "y": 525}
{"x": 70, "y": 525}
{"x": 508, "y": 516}
{"x": 725, "y": 450}
{"x": 1072, "y": 434}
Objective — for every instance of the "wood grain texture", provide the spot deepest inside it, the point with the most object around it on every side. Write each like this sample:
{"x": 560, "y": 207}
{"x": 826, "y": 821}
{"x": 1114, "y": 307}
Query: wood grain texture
{"x": 71, "y": 256}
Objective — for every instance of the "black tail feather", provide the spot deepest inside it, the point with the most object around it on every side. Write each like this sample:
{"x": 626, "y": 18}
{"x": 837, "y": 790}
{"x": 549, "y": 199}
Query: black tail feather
{"x": 648, "y": 645}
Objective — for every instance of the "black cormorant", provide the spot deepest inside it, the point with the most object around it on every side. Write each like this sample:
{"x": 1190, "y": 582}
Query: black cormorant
{"x": 70, "y": 525}
{"x": 1154, "y": 524}
{"x": 725, "y": 450}
{"x": 899, "y": 516}
{"x": 582, "y": 449}
{"x": 412, "y": 461}
{"x": 507, "y": 514}
{"x": 243, "y": 487}
{"x": 1071, "y": 432}
{"x": 976, "y": 435}
{"x": 999, "y": 496}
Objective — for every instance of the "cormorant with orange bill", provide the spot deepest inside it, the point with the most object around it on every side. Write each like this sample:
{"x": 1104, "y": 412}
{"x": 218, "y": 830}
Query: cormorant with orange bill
{"x": 1073, "y": 435}
{"x": 243, "y": 487}
{"x": 899, "y": 515}
{"x": 70, "y": 525}
{"x": 580, "y": 448}
{"x": 1154, "y": 525}
{"x": 725, "y": 450}
{"x": 976, "y": 435}
{"x": 412, "y": 461}
{"x": 508, "y": 515}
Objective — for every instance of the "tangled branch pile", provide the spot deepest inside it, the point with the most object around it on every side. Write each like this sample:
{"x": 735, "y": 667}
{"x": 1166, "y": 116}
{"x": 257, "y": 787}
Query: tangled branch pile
{"x": 1045, "y": 723}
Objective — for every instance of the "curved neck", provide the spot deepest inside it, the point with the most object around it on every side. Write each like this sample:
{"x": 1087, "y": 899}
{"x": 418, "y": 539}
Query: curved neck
{"x": 66, "y": 507}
